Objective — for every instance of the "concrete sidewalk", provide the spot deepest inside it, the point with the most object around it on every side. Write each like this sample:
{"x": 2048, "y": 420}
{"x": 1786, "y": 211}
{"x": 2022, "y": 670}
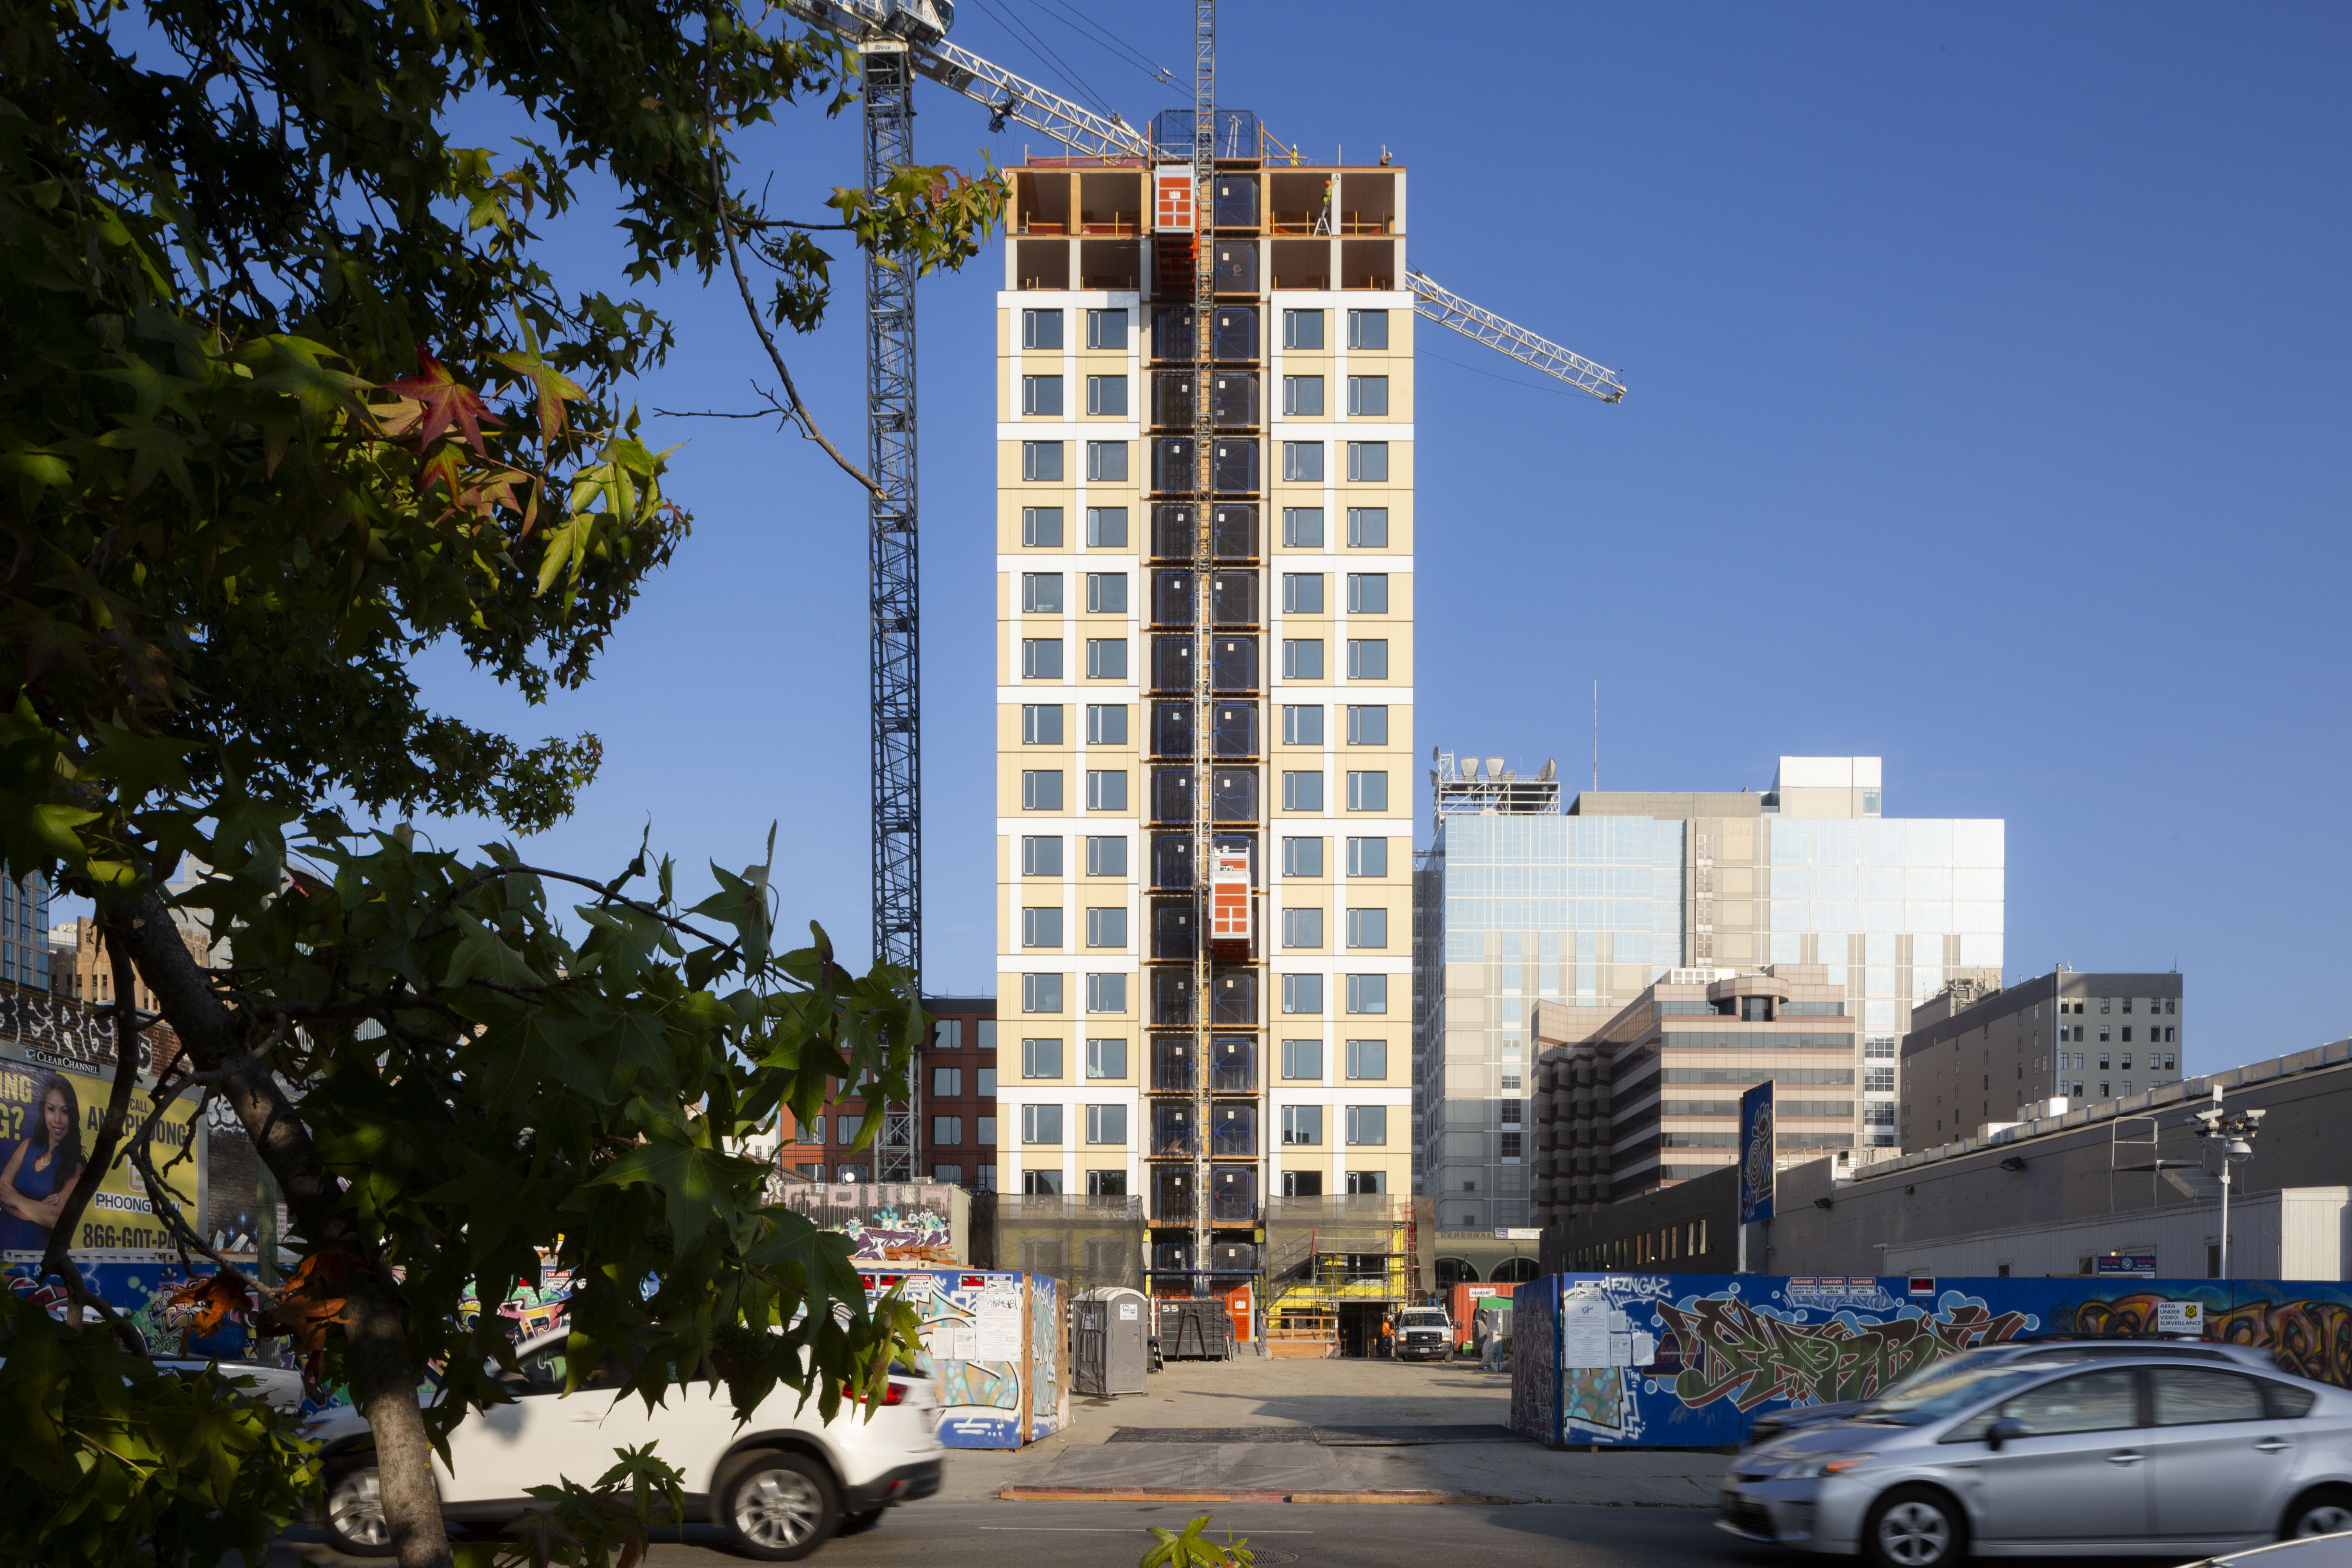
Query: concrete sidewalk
{"x": 1330, "y": 1426}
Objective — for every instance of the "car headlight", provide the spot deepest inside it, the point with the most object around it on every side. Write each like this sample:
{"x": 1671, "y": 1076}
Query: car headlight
{"x": 1827, "y": 1465}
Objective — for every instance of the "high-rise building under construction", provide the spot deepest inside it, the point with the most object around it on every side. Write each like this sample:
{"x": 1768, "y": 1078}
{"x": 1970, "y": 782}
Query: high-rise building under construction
{"x": 1303, "y": 384}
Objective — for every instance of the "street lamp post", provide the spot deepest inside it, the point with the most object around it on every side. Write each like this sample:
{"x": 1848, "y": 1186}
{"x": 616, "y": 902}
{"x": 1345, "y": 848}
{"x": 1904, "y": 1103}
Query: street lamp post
{"x": 2234, "y": 1135}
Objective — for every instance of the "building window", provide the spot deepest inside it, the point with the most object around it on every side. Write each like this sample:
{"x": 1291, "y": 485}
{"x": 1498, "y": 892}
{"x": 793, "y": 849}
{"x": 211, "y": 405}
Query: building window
{"x": 1302, "y": 993}
{"x": 1366, "y": 329}
{"x": 984, "y": 1086}
{"x": 1367, "y": 593}
{"x": 1302, "y": 928}
{"x": 1105, "y": 724}
{"x": 1106, "y": 1124}
{"x": 1302, "y": 328}
{"x": 1041, "y": 658}
{"x": 1303, "y": 1059}
{"x": 1303, "y": 791}
{"x": 1369, "y": 1059}
{"x": 1105, "y": 789}
{"x": 1041, "y": 855}
{"x": 1041, "y": 1057}
{"x": 1368, "y": 857}
{"x": 1368, "y": 395}
{"x": 1367, "y": 462}
{"x": 1041, "y": 789}
{"x": 851, "y": 1173}
{"x": 1367, "y": 725}
{"x": 983, "y": 1177}
{"x": 1106, "y": 528}
{"x": 947, "y": 1034}
{"x": 1041, "y": 994}
{"x": 1107, "y": 928}
{"x": 1105, "y": 328}
{"x": 1040, "y": 397}
{"x": 1513, "y": 1079}
{"x": 1041, "y": 526}
{"x": 1106, "y": 1059}
{"x": 1302, "y": 1124}
{"x": 1302, "y": 658}
{"x": 1106, "y": 395}
{"x": 1302, "y": 593}
{"x": 1041, "y": 723}
{"x": 1302, "y": 856}
{"x": 1041, "y": 593}
{"x": 947, "y": 1082}
{"x": 812, "y": 1131}
{"x": 947, "y": 1132}
{"x": 1368, "y": 1125}
{"x": 1878, "y": 1080}
{"x": 1107, "y": 462}
{"x": 1043, "y": 1124}
{"x": 1367, "y": 928}
{"x": 1509, "y": 1142}
{"x": 1041, "y": 928}
{"x": 1302, "y": 464}
{"x": 1302, "y": 527}
{"x": 1368, "y": 527}
{"x": 950, "y": 1174}
{"x": 1368, "y": 791}
{"x": 1107, "y": 657}
{"x": 1106, "y": 856}
{"x": 1041, "y": 329}
{"x": 1302, "y": 724}
{"x": 1302, "y": 396}
{"x": 1368, "y": 993}
{"x": 1107, "y": 593}
{"x": 1041, "y": 463}
{"x": 1368, "y": 659}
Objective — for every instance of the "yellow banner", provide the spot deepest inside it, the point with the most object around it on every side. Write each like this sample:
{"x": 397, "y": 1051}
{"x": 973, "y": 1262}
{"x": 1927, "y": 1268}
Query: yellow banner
{"x": 49, "y": 1128}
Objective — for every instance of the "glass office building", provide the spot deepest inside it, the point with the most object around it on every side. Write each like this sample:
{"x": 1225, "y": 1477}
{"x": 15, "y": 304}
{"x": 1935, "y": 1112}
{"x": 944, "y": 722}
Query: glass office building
{"x": 1519, "y": 903}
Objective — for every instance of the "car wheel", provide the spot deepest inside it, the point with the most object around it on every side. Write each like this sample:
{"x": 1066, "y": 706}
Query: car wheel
{"x": 354, "y": 1511}
{"x": 858, "y": 1523}
{"x": 780, "y": 1507}
{"x": 1914, "y": 1527}
{"x": 2322, "y": 1512}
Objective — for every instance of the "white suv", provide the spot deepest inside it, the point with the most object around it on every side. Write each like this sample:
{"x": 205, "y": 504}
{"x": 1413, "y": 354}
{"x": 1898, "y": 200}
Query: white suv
{"x": 781, "y": 1484}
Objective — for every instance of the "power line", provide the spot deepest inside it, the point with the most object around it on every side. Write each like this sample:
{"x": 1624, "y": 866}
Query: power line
{"x": 1044, "y": 53}
{"x": 1111, "y": 41}
{"x": 1507, "y": 380}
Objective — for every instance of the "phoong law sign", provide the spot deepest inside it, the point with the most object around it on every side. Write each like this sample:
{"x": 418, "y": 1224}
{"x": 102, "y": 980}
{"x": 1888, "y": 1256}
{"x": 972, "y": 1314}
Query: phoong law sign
{"x": 50, "y": 1108}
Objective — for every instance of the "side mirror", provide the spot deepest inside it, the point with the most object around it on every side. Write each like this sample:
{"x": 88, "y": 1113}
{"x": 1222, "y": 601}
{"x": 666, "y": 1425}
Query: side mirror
{"x": 2005, "y": 1430}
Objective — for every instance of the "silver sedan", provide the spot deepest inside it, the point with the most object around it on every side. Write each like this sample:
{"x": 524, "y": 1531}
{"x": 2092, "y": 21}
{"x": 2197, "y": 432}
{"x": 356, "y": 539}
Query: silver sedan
{"x": 2127, "y": 1456}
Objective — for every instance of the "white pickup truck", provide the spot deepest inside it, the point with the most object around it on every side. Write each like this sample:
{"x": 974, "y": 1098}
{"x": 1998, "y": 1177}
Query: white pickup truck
{"x": 1424, "y": 1334}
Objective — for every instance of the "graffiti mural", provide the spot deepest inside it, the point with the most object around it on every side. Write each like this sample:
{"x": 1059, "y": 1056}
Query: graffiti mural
{"x": 913, "y": 1222}
{"x": 993, "y": 1341}
{"x": 1689, "y": 1360}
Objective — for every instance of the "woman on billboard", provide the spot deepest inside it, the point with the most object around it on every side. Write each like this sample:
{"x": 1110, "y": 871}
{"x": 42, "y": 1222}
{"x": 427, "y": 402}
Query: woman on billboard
{"x": 41, "y": 1170}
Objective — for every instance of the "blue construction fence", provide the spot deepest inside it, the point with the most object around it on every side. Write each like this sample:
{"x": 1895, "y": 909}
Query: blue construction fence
{"x": 1690, "y": 1360}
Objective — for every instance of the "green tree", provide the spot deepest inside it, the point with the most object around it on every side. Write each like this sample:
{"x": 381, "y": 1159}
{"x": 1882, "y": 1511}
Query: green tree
{"x": 294, "y": 390}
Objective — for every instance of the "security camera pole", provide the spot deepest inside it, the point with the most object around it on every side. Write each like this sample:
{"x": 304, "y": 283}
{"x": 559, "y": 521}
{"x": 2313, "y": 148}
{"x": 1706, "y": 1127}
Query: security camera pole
{"x": 2235, "y": 1137}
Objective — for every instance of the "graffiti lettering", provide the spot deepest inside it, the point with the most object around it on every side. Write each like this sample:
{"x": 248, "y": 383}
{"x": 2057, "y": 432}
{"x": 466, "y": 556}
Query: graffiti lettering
{"x": 1724, "y": 1347}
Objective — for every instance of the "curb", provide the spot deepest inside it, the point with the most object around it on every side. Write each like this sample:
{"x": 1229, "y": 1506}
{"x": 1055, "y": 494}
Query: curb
{"x": 1185, "y": 1494}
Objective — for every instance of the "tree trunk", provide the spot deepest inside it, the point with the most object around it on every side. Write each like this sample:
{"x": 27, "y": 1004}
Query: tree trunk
{"x": 382, "y": 1378}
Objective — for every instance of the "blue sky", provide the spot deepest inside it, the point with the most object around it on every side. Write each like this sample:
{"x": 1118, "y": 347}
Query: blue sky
{"x": 1989, "y": 374}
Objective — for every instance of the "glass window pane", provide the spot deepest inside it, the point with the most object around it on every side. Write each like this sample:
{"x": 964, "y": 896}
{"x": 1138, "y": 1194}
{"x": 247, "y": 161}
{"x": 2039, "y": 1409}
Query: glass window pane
{"x": 1302, "y": 527}
{"x": 1302, "y": 724}
{"x": 1107, "y": 527}
{"x": 1041, "y": 329}
{"x": 1041, "y": 526}
{"x": 1302, "y": 856}
{"x": 1366, "y": 329}
{"x": 1368, "y": 527}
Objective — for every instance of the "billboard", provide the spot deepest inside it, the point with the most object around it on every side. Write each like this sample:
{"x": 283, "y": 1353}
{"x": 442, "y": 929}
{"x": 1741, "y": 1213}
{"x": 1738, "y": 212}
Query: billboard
{"x": 1755, "y": 1164}
{"x": 1690, "y": 1360}
{"x": 49, "y": 1113}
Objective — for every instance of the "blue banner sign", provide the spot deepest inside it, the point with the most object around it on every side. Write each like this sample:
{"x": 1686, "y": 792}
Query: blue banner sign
{"x": 1756, "y": 1162}
{"x": 1690, "y": 1360}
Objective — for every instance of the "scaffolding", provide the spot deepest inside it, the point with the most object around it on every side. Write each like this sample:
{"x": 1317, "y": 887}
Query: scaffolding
{"x": 1324, "y": 1254}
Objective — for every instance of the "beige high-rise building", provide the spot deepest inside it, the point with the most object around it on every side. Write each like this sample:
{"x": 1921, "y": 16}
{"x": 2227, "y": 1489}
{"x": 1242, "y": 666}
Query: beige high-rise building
{"x": 1312, "y": 724}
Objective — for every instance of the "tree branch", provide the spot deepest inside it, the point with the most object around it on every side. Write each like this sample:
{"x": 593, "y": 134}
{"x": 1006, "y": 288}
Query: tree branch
{"x": 767, "y": 340}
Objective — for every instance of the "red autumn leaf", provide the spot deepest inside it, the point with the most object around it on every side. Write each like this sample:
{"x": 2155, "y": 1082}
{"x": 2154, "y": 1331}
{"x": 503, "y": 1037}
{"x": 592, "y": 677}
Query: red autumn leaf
{"x": 212, "y": 1298}
{"x": 447, "y": 401}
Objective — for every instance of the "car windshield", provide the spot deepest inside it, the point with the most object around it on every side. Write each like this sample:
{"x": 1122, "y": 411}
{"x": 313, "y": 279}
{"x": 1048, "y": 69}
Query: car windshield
{"x": 1948, "y": 1393}
{"x": 1424, "y": 1319}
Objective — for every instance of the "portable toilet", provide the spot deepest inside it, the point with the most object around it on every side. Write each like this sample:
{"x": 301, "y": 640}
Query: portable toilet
{"x": 1110, "y": 1335}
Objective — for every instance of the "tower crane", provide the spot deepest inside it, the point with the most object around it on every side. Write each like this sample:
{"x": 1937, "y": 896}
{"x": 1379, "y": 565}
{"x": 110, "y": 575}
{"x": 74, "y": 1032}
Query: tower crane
{"x": 896, "y": 41}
